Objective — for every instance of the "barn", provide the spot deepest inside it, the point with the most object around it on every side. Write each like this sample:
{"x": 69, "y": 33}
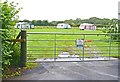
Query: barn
{"x": 24, "y": 25}
{"x": 87, "y": 26}
{"x": 63, "y": 25}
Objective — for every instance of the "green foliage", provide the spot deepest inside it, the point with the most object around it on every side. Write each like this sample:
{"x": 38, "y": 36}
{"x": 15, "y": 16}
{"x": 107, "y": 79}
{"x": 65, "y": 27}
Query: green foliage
{"x": 25, "y": 20}
{"x": 10, "y": 55}
{"x": 6, "y": 52}
{"x": 39, "y": 22}
{"x": 15, "y": 55}
{"x": 8, "y": 16}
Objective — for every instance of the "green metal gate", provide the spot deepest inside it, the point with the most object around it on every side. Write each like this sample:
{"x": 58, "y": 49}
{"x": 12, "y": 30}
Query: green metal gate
{"x": 49, "y": 47}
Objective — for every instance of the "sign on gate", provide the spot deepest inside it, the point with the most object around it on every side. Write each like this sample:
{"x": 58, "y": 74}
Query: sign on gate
{"x": 80, "y": 43}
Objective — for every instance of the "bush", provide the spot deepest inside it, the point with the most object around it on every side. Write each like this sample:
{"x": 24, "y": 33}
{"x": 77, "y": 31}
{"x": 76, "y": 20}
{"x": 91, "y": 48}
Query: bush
{"x": 15, "y": 55}
{"x": 10, "y": 55}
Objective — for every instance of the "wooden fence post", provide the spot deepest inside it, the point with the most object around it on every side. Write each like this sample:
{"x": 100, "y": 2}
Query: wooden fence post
{"x": 23, "y": 49}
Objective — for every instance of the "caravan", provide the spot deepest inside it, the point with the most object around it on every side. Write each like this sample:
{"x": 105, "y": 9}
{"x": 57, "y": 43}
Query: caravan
{"x": 87, "y": 26}
{"x": 24, "y": 25}
{"x": 63, "y": 25}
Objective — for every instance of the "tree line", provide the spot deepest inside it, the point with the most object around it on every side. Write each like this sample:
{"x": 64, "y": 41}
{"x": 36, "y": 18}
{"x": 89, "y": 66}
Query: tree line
{"x": 99, "y": 22}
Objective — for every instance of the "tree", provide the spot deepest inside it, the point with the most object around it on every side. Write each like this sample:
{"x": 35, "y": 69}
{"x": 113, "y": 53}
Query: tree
{"x": 25, "y": 20}
{"x": 44, "y": 23}
{"x": 9, "y": 15}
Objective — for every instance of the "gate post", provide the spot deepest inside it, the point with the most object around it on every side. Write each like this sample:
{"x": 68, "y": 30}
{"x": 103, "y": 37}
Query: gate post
{"x": 23, "y": 49}
{"x": 55, "y": 47}
{"x": 83, "y": 50}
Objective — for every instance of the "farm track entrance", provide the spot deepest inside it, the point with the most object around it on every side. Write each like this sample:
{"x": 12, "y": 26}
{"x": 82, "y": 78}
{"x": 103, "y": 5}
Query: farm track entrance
{"x": 62, "y": 47}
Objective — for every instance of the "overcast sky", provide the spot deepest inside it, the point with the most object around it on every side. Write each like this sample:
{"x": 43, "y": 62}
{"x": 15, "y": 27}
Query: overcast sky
{"x": 67, "y": 9}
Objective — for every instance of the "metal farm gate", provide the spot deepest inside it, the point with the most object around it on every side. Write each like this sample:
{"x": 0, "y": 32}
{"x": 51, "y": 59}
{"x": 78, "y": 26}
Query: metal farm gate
{"x": 50, "y": 46}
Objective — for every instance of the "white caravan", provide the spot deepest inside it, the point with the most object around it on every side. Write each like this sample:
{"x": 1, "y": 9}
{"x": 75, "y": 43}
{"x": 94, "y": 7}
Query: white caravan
{"x": 24, "y": 25}
{"x": 63, "y": 25}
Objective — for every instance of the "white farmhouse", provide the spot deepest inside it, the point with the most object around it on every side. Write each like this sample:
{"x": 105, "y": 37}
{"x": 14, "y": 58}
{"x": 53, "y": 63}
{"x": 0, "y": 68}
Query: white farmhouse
{"x": 87, "y": 26}
{"x": 63, "y": 25}
{"x": 24, "y": 25}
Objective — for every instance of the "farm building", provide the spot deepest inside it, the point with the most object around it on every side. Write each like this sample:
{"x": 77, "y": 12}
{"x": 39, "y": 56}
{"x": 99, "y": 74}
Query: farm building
{"x": 87, "y": 26}
{"x": 63, "y": 25}
{"x": 24, "y": 25}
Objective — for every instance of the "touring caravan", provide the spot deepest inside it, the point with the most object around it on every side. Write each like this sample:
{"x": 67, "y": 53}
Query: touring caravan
{"x": 63, "y": 25}
{"x": 24, "y": 25}
{"x": 87, "y": 26}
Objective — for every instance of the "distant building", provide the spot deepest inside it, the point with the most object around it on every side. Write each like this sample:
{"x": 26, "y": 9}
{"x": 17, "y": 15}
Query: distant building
{"x": 87, "y": 26}
{"x": 24, "y": 25}
{"x": 63, "y": 25}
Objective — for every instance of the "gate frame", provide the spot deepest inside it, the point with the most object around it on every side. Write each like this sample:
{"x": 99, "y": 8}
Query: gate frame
{"x": 62, "y": 33}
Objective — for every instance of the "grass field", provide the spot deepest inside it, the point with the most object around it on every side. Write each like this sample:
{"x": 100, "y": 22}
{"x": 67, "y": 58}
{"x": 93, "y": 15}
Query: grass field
{"x": 46, "y": 46}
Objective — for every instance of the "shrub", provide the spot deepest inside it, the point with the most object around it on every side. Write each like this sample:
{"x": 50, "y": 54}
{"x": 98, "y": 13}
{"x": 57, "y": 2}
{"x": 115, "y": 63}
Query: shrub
{"x": 10, "y": 55}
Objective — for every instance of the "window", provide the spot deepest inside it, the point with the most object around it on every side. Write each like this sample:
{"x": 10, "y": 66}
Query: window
{"x": 61, "y": 25}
